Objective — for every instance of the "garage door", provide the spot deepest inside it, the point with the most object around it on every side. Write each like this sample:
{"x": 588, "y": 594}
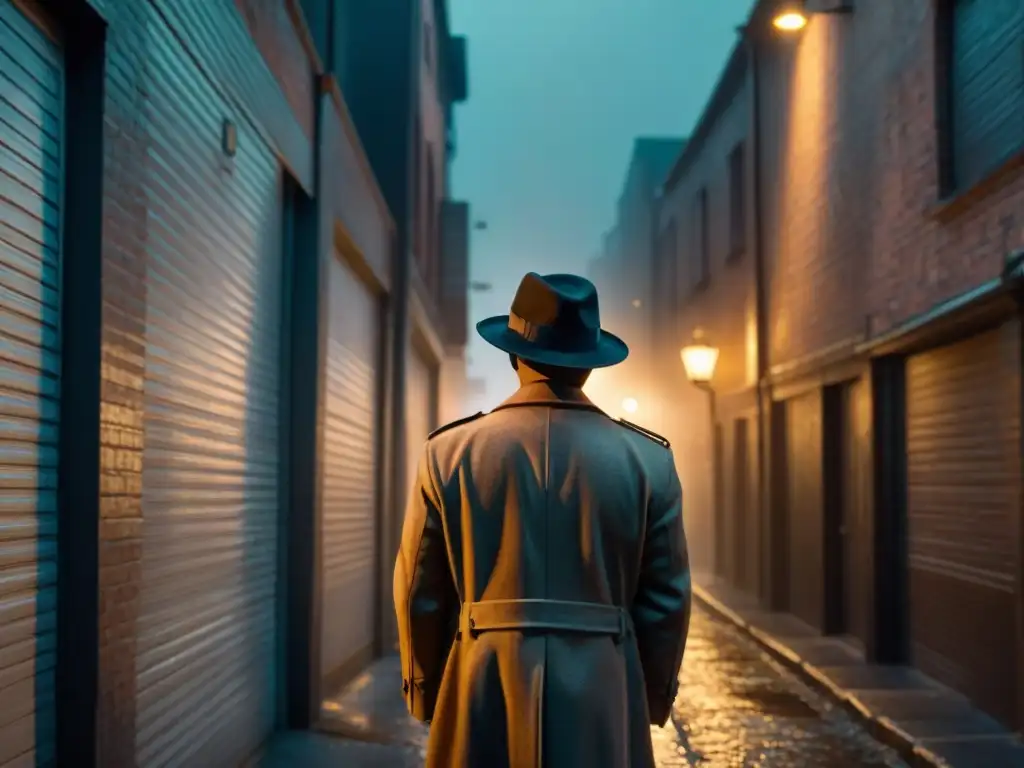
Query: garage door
{"x": 804, "y": 508}
{"x": 206, "y": 660}
{"x": 419, "y": 410}
{"x": 963, "y": 500}
{"x": 349, "y": 493}
{"x": 31, "y": 85}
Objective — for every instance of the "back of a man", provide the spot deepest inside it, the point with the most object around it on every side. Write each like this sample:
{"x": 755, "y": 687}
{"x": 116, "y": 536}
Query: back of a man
{"x": 542, "y": 587}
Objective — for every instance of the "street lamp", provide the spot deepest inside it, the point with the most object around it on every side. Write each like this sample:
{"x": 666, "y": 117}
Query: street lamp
{"x": 793, "y": 16}
{"x": 699, "y": 360}
{"x": 630, "y": 405}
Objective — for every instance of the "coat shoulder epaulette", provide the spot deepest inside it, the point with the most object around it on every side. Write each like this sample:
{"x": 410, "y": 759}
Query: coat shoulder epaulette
{"x": 457, "y": 422}
{"x": 645, "y": 432}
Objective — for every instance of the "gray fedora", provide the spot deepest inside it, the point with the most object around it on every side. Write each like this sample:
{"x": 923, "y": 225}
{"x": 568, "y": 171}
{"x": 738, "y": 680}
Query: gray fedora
{"x": 555, "y": 320}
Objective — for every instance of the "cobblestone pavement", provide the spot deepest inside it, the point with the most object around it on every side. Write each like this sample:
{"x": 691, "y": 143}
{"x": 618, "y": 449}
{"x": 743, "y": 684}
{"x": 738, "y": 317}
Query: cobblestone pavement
{"x": 736, "y": 709}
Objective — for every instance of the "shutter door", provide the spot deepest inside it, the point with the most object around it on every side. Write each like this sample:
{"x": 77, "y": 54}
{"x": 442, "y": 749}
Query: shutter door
{"x": 349, "y": 475}
{"x": 31, "y": 85}
{"x": 418, "y": 411}
{"x": 206, "y": 650}
{"x": 963, "y": 501}
{"x": 806, "y": 535}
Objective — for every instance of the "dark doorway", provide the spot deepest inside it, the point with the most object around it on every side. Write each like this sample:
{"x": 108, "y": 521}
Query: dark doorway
{"x": 740, "y": 500}
{"x": 718, "y": 511}
{"x": 835, "y": 502}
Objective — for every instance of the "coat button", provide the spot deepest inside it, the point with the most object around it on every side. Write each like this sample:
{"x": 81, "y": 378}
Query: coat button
{"x": 405, "y": 686}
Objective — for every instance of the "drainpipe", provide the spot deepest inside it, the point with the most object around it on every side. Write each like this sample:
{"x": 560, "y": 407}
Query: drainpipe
{"x": 764, "y": 397}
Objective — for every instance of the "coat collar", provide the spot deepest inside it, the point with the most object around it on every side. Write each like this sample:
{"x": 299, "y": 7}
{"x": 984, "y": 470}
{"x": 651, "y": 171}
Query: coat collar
{"x": 551, "y": 395}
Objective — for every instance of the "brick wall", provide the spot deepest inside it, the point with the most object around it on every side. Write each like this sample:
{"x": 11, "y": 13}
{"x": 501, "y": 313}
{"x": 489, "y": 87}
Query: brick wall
{"x": 923, "y": 254}
{"x": 855, "y": 242}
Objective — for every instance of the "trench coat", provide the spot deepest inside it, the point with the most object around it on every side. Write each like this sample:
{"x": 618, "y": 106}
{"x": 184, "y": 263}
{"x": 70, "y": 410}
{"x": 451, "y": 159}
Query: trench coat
{"x": 542, "y": 587}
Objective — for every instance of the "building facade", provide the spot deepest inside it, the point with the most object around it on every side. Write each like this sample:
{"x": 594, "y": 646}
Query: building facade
{"x": 887, "y": 196}
{"x": 205, "y": 295}
{"x": 705, "y": 282}
{"x": 623, "y": 274}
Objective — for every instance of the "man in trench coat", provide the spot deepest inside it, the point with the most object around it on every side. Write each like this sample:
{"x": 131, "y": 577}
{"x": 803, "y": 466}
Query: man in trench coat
{"x": 542, "y": 586}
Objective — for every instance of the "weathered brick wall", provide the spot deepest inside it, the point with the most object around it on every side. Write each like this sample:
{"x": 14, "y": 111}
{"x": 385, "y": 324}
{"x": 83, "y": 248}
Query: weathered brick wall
{"x": 817, "y": 163}
{"x": 921, "y": 254}
{"x": 854, "y": 242}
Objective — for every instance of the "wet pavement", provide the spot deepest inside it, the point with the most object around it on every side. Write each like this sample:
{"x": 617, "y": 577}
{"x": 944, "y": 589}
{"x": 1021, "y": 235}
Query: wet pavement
{"x": 736, "y": 708}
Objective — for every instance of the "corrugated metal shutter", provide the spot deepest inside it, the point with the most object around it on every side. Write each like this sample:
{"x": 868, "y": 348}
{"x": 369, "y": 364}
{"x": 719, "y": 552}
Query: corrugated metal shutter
{"x": 31, "y": 156}
{"x": 206, "y": 650}
{"x": 419, "y": 412}
{"x": 805, "y": 514}
{"x": 349, "y": 491}
{"x": 963, "y": 446}
{"x": 987, "y": 86}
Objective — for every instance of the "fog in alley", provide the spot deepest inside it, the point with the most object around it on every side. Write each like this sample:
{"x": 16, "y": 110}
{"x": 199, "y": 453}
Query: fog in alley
{"x": 561, "y": 90}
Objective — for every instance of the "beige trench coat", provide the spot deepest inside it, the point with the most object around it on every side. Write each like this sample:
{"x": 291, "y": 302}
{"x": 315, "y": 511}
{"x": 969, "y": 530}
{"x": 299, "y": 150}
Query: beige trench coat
{"x": 542, "y": 587}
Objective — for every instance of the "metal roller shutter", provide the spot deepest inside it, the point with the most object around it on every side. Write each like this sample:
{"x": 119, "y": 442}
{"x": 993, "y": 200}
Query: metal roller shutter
{"x": 31, "y": 130}
{"x": 805, "y": 495}
{"x": 963, "y": 501}
{"x": 349, "y": 492}
{"x": 419, "y": 411}
{"x": 206, "y": 651}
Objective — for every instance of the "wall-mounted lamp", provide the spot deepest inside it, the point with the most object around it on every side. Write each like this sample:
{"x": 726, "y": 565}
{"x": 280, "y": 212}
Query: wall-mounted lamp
{"x": 229, "y": 138}
{"x": 793, "y": 16}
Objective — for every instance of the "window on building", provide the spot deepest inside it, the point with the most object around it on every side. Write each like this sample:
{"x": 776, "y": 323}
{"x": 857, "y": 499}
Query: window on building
{"x": 981, "y": 79}
{"x": 701, "y": 241}
{"x": 737, "y": 202}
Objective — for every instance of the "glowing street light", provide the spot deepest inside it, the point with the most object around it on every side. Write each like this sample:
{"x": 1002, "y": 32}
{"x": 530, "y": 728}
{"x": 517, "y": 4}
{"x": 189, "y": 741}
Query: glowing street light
{"x": 790, "y": 19}
{"x": 699, "y": 359}
{"x": 630, "y": 405}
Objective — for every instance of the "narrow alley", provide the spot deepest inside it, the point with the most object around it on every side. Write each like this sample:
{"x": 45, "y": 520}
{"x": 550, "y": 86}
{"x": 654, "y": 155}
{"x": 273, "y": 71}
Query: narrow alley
{"x": 736, "y": 707}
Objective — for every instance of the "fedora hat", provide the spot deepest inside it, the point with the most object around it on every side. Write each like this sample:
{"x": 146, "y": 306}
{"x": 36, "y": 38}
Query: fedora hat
{"x": 555, "y": 320}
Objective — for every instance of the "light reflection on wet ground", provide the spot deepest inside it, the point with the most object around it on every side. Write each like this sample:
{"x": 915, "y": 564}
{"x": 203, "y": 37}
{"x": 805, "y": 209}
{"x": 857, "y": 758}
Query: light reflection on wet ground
{"x": 738, "y": 708}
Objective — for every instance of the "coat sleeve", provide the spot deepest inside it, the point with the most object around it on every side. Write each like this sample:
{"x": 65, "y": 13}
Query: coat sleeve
{"x": 425, "y": 597}
{"x": 661, "y": 608}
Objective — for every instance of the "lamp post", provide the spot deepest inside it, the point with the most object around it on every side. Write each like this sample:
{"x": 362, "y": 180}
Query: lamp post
{"x": 699, "y": 361}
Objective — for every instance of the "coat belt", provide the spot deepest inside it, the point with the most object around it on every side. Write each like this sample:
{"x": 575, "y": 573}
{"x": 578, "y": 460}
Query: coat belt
{"x": 544, "y": 616}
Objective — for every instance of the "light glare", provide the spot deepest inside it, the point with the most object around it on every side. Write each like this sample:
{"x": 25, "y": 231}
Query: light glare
{"x": 790, "y": 21}
{"x": 630, "y": 405}
{"x": 700, "y": 361}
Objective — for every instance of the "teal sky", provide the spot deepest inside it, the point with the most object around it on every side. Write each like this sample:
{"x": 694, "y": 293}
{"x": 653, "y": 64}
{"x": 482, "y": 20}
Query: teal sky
{"x": 558, "y": 91}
